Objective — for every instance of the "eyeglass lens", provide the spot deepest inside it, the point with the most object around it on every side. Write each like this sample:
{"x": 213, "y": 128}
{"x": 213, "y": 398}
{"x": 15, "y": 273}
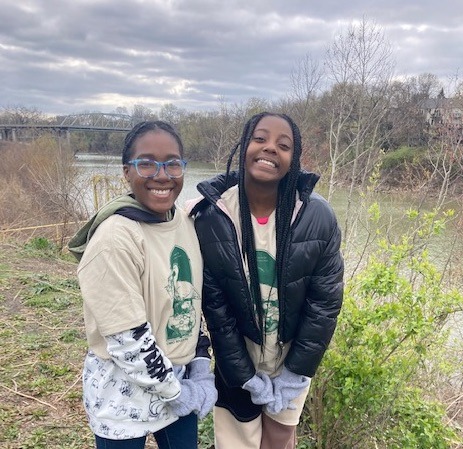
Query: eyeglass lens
{"x": 147, "y": 169}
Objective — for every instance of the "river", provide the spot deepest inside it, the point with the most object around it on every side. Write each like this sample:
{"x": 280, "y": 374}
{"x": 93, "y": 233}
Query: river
{"x": 101, "y": 178}
{"x": 94, "y": 167}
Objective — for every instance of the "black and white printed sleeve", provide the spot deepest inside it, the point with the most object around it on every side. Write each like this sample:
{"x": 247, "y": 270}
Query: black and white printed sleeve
{"x": 136, "y": 353}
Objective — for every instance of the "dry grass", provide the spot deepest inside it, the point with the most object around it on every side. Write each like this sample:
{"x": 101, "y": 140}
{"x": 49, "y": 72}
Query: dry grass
{"x": 38, "y": 184}
{"x": 43, "y": 344}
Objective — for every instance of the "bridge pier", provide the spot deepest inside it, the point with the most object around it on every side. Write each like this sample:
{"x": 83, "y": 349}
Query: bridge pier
{"x": 9, "y": 134}
{"x": 65, "y": 134}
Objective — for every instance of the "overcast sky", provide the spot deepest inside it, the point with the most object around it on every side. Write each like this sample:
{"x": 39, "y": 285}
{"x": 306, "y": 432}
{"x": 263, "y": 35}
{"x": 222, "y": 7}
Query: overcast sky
{"x": 64, "y": 57}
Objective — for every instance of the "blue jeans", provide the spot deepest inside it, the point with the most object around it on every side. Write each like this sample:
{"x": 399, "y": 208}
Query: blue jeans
{"x": 182, "y": 434}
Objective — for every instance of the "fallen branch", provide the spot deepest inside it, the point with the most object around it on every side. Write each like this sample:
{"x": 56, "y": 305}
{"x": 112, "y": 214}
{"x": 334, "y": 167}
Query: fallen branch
{"x": 15, "y": 391}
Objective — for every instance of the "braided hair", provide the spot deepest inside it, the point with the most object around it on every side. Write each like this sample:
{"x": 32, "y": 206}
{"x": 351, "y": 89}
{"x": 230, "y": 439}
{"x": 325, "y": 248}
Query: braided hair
{"x": 284, "y": 209}
{"x": 142, "y": 128}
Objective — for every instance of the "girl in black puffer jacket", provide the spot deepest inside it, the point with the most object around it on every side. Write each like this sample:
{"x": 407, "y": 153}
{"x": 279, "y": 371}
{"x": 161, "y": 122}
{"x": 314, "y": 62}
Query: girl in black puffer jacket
{"x": 273, "y": 284}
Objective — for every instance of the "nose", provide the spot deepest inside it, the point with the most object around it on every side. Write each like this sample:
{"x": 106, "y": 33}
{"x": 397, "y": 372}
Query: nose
{"x": 270, "y": 147}
{"x": 162, "y": 174}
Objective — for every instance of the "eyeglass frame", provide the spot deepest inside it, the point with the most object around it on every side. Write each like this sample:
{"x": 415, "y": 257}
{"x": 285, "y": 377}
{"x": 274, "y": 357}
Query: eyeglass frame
{"x": 135, "y": 163}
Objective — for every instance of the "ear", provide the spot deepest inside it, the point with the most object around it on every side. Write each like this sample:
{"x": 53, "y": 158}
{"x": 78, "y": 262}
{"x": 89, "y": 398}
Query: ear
{"x": 126, "y": 169}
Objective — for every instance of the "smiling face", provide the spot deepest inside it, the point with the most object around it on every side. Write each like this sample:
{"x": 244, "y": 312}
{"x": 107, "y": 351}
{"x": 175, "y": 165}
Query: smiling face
{"x": 156, "y": 194}
{"x": 270, "y": 151}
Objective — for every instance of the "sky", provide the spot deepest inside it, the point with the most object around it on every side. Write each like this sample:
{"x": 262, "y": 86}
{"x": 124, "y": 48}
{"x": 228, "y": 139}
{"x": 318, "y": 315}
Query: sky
{"x": 62, "y": 57}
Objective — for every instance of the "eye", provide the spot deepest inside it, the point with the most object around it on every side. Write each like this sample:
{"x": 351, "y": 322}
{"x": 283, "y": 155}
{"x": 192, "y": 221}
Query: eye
{"x": 259, "y": 139}
{"x": 175, "y": 163}
{"x": 285, "y": 146}
{"x": 145, "y": 163}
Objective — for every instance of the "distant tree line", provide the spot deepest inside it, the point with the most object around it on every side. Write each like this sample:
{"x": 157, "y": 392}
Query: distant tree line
{"x": 353, "y": 114}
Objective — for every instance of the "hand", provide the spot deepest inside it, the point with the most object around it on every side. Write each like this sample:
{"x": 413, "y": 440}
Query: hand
{"x": 286, "y": 387}
{"x": 261, "y": 389}
{"x": 198, "y": 393}
{"x": 200, "y": 372}
{"x": 189, "y": 400}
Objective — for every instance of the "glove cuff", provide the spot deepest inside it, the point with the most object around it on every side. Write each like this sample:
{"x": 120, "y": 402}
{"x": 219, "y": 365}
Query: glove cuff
{"x": 254, "y": 384}
{"x": 288, "y": 377}
{"x": 199, "y": 367}
{"x": 261, "y": 389}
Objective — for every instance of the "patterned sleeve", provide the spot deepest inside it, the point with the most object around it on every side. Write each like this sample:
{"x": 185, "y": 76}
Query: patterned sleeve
{"x": 204, "y": 343}
{"x": 136, "y": 353}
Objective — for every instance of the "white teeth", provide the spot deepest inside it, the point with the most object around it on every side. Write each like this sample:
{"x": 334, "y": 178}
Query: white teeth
{"x": 160, "y": 192}
{"x": 271, "y": 164}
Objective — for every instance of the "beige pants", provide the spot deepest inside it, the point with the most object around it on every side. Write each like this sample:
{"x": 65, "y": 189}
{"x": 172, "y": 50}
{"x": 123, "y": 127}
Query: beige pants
{"x": 264, "y": 432}
{"x": 261, "y": 433}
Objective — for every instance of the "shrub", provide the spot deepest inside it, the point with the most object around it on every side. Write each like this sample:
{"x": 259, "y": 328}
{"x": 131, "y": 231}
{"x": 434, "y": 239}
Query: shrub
{"x": 401, "y": 155}
{"x": 38, "y": 185}
{"x": 374, "y": 387}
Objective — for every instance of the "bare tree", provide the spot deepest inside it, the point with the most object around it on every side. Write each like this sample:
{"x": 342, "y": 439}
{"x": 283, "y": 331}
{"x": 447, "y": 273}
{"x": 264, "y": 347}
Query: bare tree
{"x": 141, "y": 112}
{"x": 445, "y": 150}
{"x": 223, "y": 133}
{"x": 405, "y": 119}
{"x": 359, "y": 63}
{"x": 21, "y": 115}
{"x": 305, "y": 80}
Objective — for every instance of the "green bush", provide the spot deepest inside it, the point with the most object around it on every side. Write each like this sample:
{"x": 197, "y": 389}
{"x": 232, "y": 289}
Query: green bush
{"x": 206, "y": 432}
{"x": 401, "y": 155}
{"x": 374, "y": 387}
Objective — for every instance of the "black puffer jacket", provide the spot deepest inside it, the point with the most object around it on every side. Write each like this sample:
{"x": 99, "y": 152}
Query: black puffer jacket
{"x": 313, "y": 283}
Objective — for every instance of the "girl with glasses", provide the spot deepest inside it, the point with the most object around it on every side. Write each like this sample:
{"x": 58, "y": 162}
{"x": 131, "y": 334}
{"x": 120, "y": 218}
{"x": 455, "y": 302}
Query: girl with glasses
{"x": 140, "y": 273}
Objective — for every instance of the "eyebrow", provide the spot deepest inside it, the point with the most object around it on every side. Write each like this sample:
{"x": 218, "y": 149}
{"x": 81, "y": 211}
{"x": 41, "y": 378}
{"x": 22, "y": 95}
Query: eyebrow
{"x": 268, "y": 132}
{"x": 151, "y": 158}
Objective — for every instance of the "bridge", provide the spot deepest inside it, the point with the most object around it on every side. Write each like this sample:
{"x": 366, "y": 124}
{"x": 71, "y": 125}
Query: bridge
{"x": 93, "y": 121}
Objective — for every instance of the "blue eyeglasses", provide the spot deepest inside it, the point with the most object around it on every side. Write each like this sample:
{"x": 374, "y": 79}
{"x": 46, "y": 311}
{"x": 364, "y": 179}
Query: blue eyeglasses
{"x": 149, "y": 168}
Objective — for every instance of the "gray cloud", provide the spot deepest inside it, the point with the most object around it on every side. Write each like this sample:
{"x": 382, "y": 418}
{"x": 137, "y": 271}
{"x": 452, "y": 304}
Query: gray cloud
{"x": 68, "y": 57}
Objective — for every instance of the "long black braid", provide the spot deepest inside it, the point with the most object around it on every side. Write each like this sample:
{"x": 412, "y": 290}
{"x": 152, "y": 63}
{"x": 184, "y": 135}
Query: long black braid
{"x": 284, "y": 210}
{"x": 142, "y": 128}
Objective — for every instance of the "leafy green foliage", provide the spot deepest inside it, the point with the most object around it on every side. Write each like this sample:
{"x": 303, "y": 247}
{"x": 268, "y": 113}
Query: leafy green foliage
{"x": 401, "y": 155}
{"x": 373, "y": 388}
{"x": 206, "y": 432}
{"x": 41, "y": 244}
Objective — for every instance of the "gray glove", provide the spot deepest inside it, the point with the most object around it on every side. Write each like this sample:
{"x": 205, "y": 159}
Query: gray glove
{"x": 179, "y": 371}
{"x": 261, "y": 389}
{"x": 199, "y": 371}
{"x": 286, "y": 387}
{"x": 198, "y": 393}
{"x": 189, "y": 400}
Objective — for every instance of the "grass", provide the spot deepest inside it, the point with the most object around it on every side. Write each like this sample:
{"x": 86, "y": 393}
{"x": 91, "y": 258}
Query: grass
{"x": 43, "y": 347}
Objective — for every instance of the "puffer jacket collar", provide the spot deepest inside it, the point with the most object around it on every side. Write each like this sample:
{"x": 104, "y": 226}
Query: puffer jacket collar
{"x": 212, "y": 189}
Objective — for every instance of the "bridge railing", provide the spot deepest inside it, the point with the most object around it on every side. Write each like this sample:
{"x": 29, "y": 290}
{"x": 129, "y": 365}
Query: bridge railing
{"x": 98, "y": 120}
{"x": 94, "y": 121}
